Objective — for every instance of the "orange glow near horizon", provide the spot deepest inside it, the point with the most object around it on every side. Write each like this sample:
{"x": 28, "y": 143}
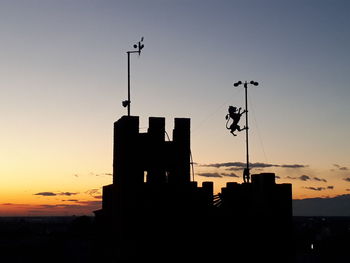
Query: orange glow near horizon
{"x": 72, "y": 188}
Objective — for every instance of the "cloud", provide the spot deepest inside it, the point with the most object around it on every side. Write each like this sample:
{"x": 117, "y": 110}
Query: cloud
{"x": 230, "y": 175}
{"x": 55, "y": 194}
{"x": 101, "y": 174}
{"x": 347, "y": 179}
{"x": 231, "y": 164}
{"x": 330, "y": 187}
{"x": 210, "y": 175}
{"x": 93, "y": 192}
{"x": 341, "y": 168}
{"x": 304, "y": 177}
{"x": 240, "y": 165}
{"x": 46, "y": 194}
{"x": 71, "y": 200}
{"x": 294, "y": 166}
{"x": 16, "y": 205}
{"x": 320, "y": 179}
{"x": 235, "y": 168}
{"x": 67, "y": 193}
{"x": 218, "y": 175}
{"x": 315, "y": 188}
{"x": 90, "y": 203}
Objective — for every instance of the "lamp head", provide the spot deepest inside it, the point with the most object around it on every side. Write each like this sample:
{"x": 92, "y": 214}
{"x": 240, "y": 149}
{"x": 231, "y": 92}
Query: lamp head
{"x": 237, "y": 83}
{"x": 254, "y": 83}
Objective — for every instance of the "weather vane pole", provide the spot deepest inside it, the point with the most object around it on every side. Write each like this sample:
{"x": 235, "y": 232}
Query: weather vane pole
{"x": 235, "y": 116}
{"x": 139, "y": 46}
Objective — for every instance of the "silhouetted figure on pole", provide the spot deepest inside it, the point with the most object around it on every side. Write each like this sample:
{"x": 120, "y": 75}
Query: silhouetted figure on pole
{"x": 235, "y": 116}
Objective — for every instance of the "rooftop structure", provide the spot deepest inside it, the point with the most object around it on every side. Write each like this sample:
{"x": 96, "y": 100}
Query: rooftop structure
{"x": 154, "y": 208}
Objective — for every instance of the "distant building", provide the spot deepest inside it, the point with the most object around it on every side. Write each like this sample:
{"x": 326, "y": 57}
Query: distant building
{"x": 154, "y": 207}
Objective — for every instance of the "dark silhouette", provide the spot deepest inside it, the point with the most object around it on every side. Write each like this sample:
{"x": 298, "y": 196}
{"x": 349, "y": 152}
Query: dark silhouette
{"x": 246, "y": 175}
{"x": 235, "y": 116}
{"x": 153, "y": 211}
{"x": 139, "y": 46}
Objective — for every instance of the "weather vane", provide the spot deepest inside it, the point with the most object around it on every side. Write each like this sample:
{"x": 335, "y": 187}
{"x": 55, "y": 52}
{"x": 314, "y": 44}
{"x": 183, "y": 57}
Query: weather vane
{"x": 235, "y": 116}
{"x": 139, "y": 46}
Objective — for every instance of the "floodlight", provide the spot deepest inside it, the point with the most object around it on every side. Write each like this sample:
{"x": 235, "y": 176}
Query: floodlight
{"x": 237, "y": 83}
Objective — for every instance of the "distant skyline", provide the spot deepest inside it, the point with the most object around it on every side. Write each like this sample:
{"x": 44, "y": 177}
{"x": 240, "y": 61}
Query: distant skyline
{"x": 63, "y": 78}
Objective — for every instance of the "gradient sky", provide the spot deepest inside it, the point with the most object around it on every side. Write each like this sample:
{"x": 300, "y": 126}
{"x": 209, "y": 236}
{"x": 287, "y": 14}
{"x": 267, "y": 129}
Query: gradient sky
{"x": 63, "y": 77}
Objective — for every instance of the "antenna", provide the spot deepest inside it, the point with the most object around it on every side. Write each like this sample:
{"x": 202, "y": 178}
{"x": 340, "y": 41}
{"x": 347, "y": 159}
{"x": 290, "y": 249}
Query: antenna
{"x": 139, "y": 46}
{"x": 246, "y": 172}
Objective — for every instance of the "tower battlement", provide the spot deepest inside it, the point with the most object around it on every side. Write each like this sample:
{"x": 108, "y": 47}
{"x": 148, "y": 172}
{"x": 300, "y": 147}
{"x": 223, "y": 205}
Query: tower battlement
{"x": 154, "y": 208}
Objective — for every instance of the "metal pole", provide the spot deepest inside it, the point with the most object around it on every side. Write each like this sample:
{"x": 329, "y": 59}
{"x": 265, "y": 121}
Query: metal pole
{"x": 246, "y": 131}
{"x": 139, "y": 46}
{"x": 129, "y": 102}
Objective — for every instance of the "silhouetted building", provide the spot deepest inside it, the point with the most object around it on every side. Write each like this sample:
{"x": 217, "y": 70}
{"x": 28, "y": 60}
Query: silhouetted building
{"x": 154, "y": 208}
{"x": 261, "y": 212}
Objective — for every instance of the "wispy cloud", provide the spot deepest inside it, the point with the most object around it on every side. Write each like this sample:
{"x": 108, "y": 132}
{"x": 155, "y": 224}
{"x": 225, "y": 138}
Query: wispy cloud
{"x": 210, "y": 175}
{"x": 230, "y": 175}
{"x": 307, "y": 178}
{"x": 304, "y": 177}
{"x": 102, "y": 174}
{"x": 320, "y": 179}
{"x": 330, "y": 187}
{"x": 46, "y": 194}
{"x": 301, "y": 178}
{"x": 240, "y": 165}
{"x": 293, "y": 166}
{"x": 93, "y": 192}
{"x": 89, "y": 203}
{"x": 55, "y": 194}
{"x": 314, "y": 188}
{"x": 341, "y": 168}
{"x": 218, "y": 175}
{"x": 67, "y": 193}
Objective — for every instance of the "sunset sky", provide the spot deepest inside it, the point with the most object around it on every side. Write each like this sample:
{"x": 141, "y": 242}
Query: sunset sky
{"x": 63, "y": 69}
